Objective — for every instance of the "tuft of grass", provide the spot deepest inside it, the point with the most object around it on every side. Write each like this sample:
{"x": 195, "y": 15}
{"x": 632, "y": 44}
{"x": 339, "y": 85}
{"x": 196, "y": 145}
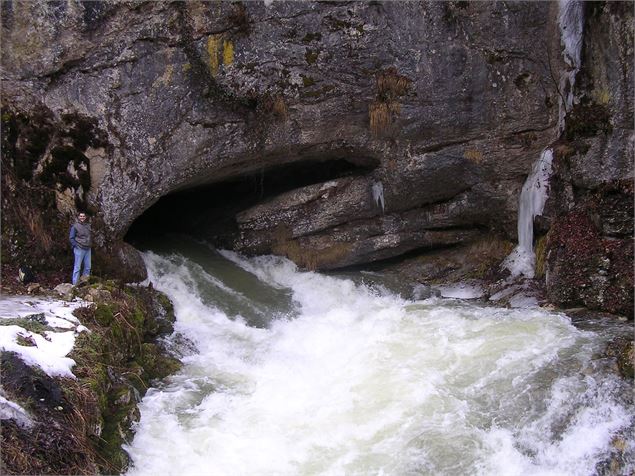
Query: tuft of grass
{"x": 274, "y": 105}
{"x": 304, "y": 256}
{"x": 391, "y": 85}
{"x": 473, "y": 155}
{"x": 541, "y": 256}
{"x": 385, "y": 109}
{"x": 311, "y": 56}
{"x": 381, "y": 115}
{"x": 30, "y": 325}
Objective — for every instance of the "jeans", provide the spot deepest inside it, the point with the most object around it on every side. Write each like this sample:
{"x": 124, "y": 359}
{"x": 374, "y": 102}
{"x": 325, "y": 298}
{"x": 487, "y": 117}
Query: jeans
{"x": 81, "y": 256}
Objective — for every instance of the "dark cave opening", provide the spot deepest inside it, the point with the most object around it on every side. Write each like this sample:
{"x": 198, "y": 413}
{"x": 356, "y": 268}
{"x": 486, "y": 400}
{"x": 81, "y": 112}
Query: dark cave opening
{"x": 208, "y": 211}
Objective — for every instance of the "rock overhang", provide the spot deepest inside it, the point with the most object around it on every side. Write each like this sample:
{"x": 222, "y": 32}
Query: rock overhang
{"x": 193, "y": 95}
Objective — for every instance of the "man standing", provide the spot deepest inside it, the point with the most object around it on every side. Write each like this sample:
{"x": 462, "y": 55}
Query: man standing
{"x": 81, "y": 241}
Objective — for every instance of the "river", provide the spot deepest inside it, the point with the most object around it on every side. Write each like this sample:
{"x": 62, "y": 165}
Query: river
{"x": 299, "y": 373}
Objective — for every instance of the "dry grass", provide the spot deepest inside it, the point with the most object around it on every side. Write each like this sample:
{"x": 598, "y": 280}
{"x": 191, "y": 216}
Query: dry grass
{"x": 563, "y": 151}
{"x": 473, "y": 155}
{"x": 275, "y": 106}
{"x": 541, "y": 256}
{"x": 383, "y": 112}
{"x": 382, "y": 115}
{"x": 391, "y": 85}
{"x": 305, "y": 257}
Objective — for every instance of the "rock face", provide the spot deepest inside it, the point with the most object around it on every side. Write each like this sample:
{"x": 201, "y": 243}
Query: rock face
{"x": 450, "y": 110}
{"x": 589, "y": 244}
{"x": 440, "y": 108}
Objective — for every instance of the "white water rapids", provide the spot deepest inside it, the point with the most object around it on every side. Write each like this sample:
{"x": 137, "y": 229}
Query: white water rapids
{"x": 325, "y": 376}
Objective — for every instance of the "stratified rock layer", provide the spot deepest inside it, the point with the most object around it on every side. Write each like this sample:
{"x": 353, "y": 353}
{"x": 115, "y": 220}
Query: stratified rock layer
{"x": 440, "y": 108}
{"x": 451, "y": 102}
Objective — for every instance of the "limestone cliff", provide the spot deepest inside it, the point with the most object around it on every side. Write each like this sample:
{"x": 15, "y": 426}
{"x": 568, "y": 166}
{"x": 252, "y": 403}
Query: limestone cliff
{"x": 336, "y": 133}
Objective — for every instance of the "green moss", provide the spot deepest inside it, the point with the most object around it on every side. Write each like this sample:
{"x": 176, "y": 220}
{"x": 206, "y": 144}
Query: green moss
{"x": 587, "y": 120}
{"x": 104, "y": 314}
{"x": 307, "y": 81}
{"x": 113, "y": 360}
{"x": 30, "y": 325}
{"x": 309, "y": 37}
{"x": 311, "y": 56}
{"x": 155, "y": 364}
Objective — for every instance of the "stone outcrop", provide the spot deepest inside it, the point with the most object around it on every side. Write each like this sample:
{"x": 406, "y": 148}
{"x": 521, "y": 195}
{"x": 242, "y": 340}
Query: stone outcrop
{"x": 451, "y": 103}
{"x": 588, "y": 222}
{"x": 440, "y": 108}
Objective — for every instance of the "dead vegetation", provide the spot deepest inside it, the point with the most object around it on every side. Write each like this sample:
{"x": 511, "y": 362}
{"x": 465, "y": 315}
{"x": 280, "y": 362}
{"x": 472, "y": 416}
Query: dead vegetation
{"x": 305, "y": 256}
{"x": 274, "y": 105}
{"x": 80, "y": 425}
{"x": 384, "y": 111}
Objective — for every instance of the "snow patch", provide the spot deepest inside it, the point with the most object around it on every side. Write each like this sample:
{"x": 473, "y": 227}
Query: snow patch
{"x": 51, "y": 349}
{"x": 12, "y": 411}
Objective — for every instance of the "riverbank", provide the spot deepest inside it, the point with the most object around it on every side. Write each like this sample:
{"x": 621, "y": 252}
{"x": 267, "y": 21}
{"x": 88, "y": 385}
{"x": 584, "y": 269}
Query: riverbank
{"x": 74, "y": 368}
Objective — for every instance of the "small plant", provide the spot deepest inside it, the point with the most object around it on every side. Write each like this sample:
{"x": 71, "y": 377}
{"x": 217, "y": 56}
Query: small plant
{"x": 587, "y": 120}
{"x": 239, "y": 19}
{"x": 382, "y": 115}
{"x": 391, "y": 85}
{"x": 383, "y": 112}
{"x": 473, "y": 155}
{"x": 274, "y": 105}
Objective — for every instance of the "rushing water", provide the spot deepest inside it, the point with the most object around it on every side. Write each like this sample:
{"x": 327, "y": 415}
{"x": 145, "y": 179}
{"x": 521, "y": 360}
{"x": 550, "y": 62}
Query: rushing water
{"x": 298, "y": 373}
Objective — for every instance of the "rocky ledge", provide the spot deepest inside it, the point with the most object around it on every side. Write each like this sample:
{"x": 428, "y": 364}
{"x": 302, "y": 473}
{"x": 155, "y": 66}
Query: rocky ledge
{"x": 69, "y": 410}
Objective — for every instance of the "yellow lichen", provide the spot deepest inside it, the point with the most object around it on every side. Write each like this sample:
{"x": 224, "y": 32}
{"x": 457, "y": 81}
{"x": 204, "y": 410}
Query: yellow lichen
{"x": 186, "y": 67}
{"x": 166, "y": 78}
{"x": 602, "y": 96}
{"x": 213, "y": 46}
{"x": 228, "y": 52}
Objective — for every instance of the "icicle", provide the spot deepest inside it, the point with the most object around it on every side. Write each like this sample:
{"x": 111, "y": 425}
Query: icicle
{"x": 532, "y": 202}
{"x": 534, "y": 193}
{"x": 378, "y": 195}
{"x": 571, "y": 22}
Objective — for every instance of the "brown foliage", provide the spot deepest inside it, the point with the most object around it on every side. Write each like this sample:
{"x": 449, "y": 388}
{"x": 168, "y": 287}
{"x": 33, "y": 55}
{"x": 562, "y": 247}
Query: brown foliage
{"x": 391, "y": 85}
{"x": 383, "y": 112}
{"x": 274, "y": 105}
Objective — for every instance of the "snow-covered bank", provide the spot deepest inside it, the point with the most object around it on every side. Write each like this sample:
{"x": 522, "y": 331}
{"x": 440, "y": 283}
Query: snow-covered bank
{"x": 73, "y": 372}
{"x": 49, "y": 347}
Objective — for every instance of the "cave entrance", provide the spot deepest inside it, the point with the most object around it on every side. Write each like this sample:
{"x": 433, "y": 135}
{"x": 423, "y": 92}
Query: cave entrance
{"x": 208, "y": 211}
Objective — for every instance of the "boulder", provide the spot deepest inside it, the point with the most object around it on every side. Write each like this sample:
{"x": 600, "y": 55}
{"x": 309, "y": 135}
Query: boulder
{"x": 65, "y": 290}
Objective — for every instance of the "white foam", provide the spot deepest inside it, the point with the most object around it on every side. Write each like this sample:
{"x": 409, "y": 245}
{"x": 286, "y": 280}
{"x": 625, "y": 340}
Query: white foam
{"x": 461, "y": 291}
{"x": 360, "y": 383}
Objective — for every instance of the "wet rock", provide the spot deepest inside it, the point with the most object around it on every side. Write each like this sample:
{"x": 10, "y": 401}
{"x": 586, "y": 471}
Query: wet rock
{"x": 65, "y": 290}
{"x": 623, "y": 351}
{"x": 602, "y": 277}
